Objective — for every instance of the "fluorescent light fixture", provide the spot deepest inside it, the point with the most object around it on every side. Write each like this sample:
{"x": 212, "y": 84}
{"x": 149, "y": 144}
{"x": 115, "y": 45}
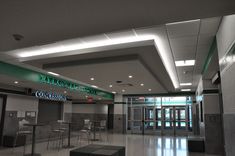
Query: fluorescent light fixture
{"x": 60, "y": 47}
{"x": 16, "y": 82}
{"x": 130, "y": 76}
{"x": 185, "y": 90}
{"x": 92, "y": 78}
{"x": 185, "y": 63}
{"x": 182, "y": 22}
{"x": 76, "y": 44}
{"x": 185, "y": 84}
{"x": 150, "y": 90}
{"x": 114, "y": 92}
{"x": 141, "y": 84}
{"x": 94, "y": 86}
{"x": 52, "y": 73}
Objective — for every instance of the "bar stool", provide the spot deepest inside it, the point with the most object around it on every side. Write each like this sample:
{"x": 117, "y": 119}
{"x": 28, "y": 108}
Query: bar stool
{"x": 103, "y": 127}
{"x": 58, "y": 130}
{"x": 86, "y": 130}
{"x": 22, "y": 130}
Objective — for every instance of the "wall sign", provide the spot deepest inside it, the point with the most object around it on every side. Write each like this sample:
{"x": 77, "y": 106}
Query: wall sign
{"x": 39, "y": 77}
{"x": 50, "y": 96}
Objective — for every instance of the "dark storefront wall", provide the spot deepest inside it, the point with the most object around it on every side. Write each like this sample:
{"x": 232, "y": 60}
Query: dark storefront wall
{"x": 49, "y": 111}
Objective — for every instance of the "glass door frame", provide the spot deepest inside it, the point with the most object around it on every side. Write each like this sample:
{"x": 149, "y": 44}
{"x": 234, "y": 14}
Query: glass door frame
{"x": 174, "y": 122}
{"x": 158, "y": 123}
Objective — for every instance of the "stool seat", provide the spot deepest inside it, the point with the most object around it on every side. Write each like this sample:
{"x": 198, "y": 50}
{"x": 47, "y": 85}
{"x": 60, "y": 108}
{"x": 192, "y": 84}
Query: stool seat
{"x": 24, "y": 132}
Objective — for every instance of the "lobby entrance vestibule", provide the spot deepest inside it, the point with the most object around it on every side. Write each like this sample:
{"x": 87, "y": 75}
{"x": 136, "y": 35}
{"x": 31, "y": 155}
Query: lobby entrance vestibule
{"x": 159, "y": 115}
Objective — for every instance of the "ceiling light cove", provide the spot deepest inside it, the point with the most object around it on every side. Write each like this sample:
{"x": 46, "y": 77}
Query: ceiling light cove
{"x": 52, "y": 73}
{"x": 185, "y": 63}
{"x": 75, "y": 44}
{"x": 159, "y": 41}
{"x": 185, "y": 90}
{"x": 185, "y": 84}
{"x": 94, "y": 86}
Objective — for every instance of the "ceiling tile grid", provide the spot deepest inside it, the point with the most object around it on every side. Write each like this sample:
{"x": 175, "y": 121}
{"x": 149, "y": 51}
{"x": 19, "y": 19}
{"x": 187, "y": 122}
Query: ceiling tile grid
{"x": 191, "y": 40}
{"x": 183, "y": 38}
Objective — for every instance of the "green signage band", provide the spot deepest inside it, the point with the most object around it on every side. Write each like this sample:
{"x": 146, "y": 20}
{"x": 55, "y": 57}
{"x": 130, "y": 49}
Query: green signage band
{"x": 38, "y": 77}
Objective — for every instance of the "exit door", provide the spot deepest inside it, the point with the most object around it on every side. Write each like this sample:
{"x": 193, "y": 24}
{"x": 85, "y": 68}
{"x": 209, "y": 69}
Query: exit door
{"x": 174, "y": 120}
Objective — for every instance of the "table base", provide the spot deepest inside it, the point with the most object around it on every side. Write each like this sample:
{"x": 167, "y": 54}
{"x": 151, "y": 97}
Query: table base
{"x": 71, "y": 146}
{"x": 35, "y": 154}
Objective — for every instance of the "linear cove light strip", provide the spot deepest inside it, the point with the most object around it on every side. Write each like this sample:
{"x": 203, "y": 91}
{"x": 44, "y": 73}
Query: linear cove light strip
{"x": 58, "y": 48}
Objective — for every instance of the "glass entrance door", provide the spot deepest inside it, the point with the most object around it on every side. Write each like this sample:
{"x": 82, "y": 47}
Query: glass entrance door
{"x": 168, "y": 120}
{"x": 158, "y": 116}
{"x": 149, "y": 119}
{"x": 137, "y": 118}
{"x": 174, "y": 120}
{"x": 180, "y": 120}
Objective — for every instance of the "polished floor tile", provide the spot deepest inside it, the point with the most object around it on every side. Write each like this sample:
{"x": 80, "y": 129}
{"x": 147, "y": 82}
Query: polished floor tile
{"x": 136, "y": 145}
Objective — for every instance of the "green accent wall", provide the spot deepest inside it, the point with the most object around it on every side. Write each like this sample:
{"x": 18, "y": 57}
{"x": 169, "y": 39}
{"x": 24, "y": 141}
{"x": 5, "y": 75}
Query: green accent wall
{"x": 212, "y": 51}
{"x": 38, "y": 77}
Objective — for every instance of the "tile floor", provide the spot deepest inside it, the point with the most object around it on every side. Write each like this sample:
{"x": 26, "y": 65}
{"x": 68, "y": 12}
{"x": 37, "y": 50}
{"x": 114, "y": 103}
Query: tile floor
{"x": 136, "y": 145}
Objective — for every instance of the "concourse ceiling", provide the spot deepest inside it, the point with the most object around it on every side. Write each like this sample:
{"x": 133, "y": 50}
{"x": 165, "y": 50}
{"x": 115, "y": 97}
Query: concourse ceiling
{"x": 183, "y": 36}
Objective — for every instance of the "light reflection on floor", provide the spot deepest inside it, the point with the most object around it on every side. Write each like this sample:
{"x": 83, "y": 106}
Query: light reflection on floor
{"x": 136, "y": 145}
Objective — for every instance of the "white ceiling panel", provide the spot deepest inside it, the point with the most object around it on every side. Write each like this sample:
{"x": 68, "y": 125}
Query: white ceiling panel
{"x": 184, "y": 49}
{"x": 210, "y": 25}
{"x": 185, "y": 56}
{"x": 94, "y": 38}
{"x": 203, "y": 50}
{"x": 205, "y": 39}
{"x": 183, "y": 41}
{"x": 190, "y": 28}
{"x": 123, "y": 34}
{"x": 186, "y": 68}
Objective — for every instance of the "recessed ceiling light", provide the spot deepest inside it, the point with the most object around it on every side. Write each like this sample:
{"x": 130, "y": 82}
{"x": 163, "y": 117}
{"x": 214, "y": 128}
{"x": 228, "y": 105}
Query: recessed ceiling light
{"x": 141, "y": 84}
{"x": 86, "y": 96}
{"x": 130, "y": 76}
{"x": 123, "y": 90}
{"x": 185, "y": 90}
{"x": 65, "y": 92}
{"x": 114, "y": 92}
{"x": 150, "y": 90}
{"x": 185, "y": 84}
{"x": 99, "y": 98}
{"x": 185, "y": 63}
{"x": 52, "y": 73}
{"x": 110, "y": 86}
{"x": 92, "y": 78}
{"x": 94, "y": 86}
{"x": 16, "y": 82}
